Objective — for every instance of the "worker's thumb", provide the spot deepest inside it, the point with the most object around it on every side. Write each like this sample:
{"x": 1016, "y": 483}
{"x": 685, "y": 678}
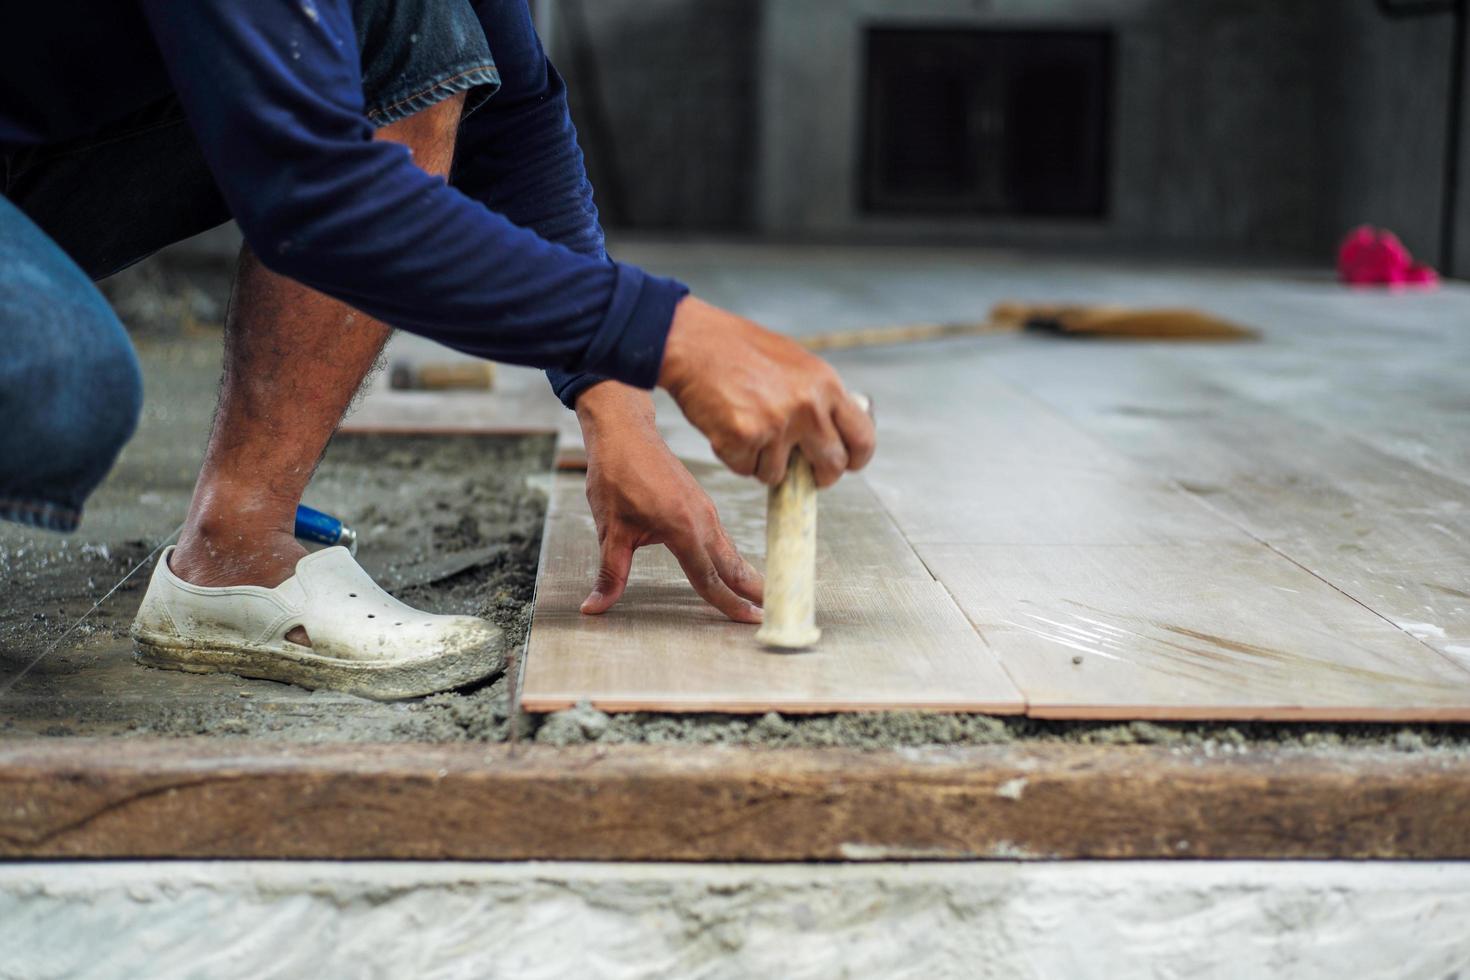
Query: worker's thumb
{"x": 612, "y": 576}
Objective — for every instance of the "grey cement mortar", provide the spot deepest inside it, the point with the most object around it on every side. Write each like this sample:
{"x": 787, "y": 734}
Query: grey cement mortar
{"x": 585, "y": 724}
{"x": 417, "y": 501}
{"x": 422, "y": 506}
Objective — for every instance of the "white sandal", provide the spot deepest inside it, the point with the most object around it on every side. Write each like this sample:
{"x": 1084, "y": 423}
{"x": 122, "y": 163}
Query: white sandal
{"x": 363, "y": 641}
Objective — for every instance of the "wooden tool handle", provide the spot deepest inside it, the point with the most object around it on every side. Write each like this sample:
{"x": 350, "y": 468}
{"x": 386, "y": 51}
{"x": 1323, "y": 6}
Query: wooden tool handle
{"x": 791, "y": 560}
{"x": 791, "y": 555}
{"x": 905, "y": 333}
{"x": 1072, "y": 320}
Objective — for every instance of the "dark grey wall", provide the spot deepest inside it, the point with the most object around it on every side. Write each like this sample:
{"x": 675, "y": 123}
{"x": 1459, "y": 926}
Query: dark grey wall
{"x": 1388, "y": 82}
{"x": 1253, "y": 125}
{"x": 1233, "y": 104}
{"x": 673, "y": 83}
{"x": 1289, "y": 122}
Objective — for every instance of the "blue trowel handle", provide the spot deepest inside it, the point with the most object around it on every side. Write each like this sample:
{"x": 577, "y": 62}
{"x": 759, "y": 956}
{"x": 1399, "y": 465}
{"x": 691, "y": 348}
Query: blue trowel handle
{"x": 313, "y": 525}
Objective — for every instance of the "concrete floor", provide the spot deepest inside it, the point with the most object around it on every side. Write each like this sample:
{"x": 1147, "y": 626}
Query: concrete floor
{"x": 991, "y": 919}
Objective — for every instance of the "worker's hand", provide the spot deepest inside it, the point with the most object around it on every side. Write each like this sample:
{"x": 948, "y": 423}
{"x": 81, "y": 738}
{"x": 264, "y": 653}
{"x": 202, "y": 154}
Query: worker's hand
{"x": 756, "y": 395}
{"x": 641, "y": 495}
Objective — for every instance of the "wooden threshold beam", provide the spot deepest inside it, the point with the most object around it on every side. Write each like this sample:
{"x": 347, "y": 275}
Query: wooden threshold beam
{"x": 89, "y": 798}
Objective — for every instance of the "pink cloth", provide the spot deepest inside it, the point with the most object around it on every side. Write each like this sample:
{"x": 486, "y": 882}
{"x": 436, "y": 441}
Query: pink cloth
{"x": 1375, "y": 257}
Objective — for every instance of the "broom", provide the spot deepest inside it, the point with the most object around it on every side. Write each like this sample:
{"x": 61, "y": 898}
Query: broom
{"x": 1113, "y": 322}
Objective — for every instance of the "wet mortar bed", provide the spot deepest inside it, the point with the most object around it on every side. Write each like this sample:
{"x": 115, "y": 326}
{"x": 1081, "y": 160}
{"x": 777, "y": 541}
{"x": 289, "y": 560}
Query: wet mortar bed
{"x": 450, "y": 524}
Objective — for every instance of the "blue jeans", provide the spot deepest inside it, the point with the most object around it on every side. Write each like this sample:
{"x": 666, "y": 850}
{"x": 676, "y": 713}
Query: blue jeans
{"x": 70, "y": 388}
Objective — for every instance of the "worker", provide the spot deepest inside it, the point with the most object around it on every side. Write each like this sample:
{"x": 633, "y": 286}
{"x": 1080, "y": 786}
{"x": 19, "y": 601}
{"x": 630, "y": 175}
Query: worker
{"x": 403, "y": 164}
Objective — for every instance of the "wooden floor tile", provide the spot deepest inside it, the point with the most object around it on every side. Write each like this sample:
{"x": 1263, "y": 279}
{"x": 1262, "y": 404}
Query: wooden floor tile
{"x": 892, "y": 636}
{"x": 1060, "y": 548}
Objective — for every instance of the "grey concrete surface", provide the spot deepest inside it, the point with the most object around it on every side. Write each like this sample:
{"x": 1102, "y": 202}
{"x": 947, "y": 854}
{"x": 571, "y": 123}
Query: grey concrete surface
{"x": 989, "y": 919}
{"x": 674, "y": 81}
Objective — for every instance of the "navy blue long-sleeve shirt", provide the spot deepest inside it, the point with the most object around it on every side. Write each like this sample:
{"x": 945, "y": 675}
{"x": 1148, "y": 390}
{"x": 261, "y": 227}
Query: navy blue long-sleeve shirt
{"x": 507, "y": 264}
{"x": 519, "y": 154}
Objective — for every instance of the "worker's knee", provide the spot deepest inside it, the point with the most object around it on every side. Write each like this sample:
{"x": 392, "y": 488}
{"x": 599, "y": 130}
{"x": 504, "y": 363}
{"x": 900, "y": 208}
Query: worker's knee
{"x": 105, "y": 403}
{"x": 70, "y": 390}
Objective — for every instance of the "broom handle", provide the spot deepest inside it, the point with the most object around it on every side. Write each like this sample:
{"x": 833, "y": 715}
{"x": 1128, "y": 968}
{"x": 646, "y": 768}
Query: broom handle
{"x": 901, "y": 334}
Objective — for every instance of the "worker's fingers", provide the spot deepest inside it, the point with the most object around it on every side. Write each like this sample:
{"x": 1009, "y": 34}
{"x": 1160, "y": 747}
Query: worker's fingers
{"x": 824, "y": 449}
{"x": 612, "y": 575}
{"x": 739, "y": 574}
{"x": 702, "y": 573}
{"x": 771, "y": 464}
{"x": 858, "y": 434}
{"x": 742, "y": 458}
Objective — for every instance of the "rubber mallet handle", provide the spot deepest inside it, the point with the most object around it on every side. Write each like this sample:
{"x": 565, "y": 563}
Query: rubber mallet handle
{"x": 791, "y": 560}
{"x": 791, "y": 557}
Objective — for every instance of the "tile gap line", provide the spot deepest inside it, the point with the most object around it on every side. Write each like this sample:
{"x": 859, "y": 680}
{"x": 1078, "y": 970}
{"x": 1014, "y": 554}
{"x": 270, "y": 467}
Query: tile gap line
{"x": 519, "y": 659}
{"x": 883, "y": 508}
{"x": 1440, "y": 655}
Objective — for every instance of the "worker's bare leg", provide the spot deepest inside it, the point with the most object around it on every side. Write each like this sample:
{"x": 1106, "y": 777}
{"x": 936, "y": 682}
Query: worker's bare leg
{"x": 293, "y": 361}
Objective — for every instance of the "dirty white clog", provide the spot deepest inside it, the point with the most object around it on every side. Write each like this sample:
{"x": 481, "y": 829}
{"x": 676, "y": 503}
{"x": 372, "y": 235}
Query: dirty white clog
{"x": 363, "y": 641}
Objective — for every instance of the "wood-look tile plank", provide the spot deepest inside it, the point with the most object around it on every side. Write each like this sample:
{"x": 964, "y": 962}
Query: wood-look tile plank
{"x": 1392, "y": 534}
{"x": 892, "y": 636}
{"x": 1058, "y": 546}
{"x": 1218, "y": 631}
{"x": 964, "y": 457}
